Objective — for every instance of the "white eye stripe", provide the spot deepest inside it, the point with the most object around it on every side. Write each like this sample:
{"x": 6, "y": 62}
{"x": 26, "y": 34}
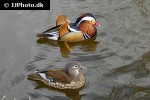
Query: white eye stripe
{"x": 76, "y": 66}
{"x": 86, "y": 18}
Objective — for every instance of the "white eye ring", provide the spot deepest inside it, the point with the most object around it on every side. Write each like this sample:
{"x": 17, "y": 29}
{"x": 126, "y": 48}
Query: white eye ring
{"x": 76, "y": 66}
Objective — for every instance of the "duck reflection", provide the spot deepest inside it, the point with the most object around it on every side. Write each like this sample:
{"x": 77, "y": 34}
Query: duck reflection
{"x": 73, "y": 94}
{"x": 66, "y": 47}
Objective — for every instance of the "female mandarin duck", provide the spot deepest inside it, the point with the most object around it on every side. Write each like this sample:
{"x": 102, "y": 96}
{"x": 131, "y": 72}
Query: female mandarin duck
{"x": 69, "y": 77}
{"x": 84, "y": 28}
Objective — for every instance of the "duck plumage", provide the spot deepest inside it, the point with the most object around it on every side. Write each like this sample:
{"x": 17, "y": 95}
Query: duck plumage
{"x": 84, "y": 28}
{"x": 69, "y": 77}
{"x": 87, "y": 28}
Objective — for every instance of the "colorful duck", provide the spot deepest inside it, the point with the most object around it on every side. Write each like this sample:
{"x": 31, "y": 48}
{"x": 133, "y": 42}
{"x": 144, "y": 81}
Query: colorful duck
{"x": 83, "y": 29}
{"x": 69, "y": 77}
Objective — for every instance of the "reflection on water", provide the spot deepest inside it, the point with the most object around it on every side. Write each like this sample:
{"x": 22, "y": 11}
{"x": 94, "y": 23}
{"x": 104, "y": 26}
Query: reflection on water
{"x": 129, "y": 93}
{"x": 67, "y": 47}
{"x": 116, "y": 68}
{"x": 138, "y": 87}
{"x": 138, "y": 68}
{"x": 134, "y": 89}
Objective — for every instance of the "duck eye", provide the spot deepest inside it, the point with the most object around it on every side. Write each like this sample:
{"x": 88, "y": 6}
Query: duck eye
{"x": 76, "y": 66}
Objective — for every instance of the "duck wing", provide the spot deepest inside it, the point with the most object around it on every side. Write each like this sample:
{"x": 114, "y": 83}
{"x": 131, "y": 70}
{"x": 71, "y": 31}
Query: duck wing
{"x": 61, "y": 19}
{"x": 63, "y": 29}
{"x": 55, "y": 32}
{"x": 51, "y": 75}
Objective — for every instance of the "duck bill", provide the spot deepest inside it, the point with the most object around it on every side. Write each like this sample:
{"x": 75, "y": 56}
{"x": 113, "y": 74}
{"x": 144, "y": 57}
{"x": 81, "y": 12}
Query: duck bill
{"x": 97, "y": 24}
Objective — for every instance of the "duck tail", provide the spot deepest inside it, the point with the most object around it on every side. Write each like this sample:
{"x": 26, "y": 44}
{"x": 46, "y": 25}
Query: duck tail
{"x": 33, "y": 76}
{"x": 41, "y": 35}
{"x": 51, "y": 35}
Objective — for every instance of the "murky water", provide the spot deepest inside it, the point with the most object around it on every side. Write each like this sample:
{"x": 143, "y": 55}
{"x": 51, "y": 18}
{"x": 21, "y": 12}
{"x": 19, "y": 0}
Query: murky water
{"x": 118, "y": 61}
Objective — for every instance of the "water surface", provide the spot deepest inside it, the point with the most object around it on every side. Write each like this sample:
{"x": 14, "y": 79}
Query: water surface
{"x": 118, "y": 61}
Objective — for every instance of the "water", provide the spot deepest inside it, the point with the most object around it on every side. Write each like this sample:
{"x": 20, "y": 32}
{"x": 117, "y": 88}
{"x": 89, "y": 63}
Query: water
{"x": 118, "y": 61}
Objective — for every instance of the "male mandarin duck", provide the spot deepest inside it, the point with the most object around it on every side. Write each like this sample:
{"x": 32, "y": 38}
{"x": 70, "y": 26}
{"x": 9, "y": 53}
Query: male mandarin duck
{"x": 83, "y": 29}
{"x": 69, "y": 77}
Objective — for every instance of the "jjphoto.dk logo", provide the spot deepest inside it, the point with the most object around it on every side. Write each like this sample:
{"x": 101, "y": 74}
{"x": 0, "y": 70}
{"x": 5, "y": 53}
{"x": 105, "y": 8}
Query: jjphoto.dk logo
{"x": 39, "y": 4}
{"x": 25, "y": 5}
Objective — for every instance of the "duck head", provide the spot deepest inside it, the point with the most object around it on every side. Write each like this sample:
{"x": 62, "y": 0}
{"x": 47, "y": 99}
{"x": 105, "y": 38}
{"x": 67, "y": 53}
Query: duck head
{"x": 89, "y": 17}
{"x": 73, "y": 69}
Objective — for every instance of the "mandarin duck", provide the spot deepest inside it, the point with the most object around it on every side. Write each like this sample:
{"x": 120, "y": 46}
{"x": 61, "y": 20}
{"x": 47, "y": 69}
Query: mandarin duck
{"x": 69, "y": 77}
{"x": 83, "y": 29}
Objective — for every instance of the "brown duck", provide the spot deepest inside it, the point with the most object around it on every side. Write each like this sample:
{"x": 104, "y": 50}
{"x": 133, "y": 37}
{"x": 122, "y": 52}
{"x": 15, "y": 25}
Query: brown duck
{"x": 69, "y": 77}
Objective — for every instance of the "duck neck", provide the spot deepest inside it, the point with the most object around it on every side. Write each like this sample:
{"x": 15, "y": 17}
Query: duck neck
{"x": 73, "y": 73}
{"x": 87, "y": 28}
